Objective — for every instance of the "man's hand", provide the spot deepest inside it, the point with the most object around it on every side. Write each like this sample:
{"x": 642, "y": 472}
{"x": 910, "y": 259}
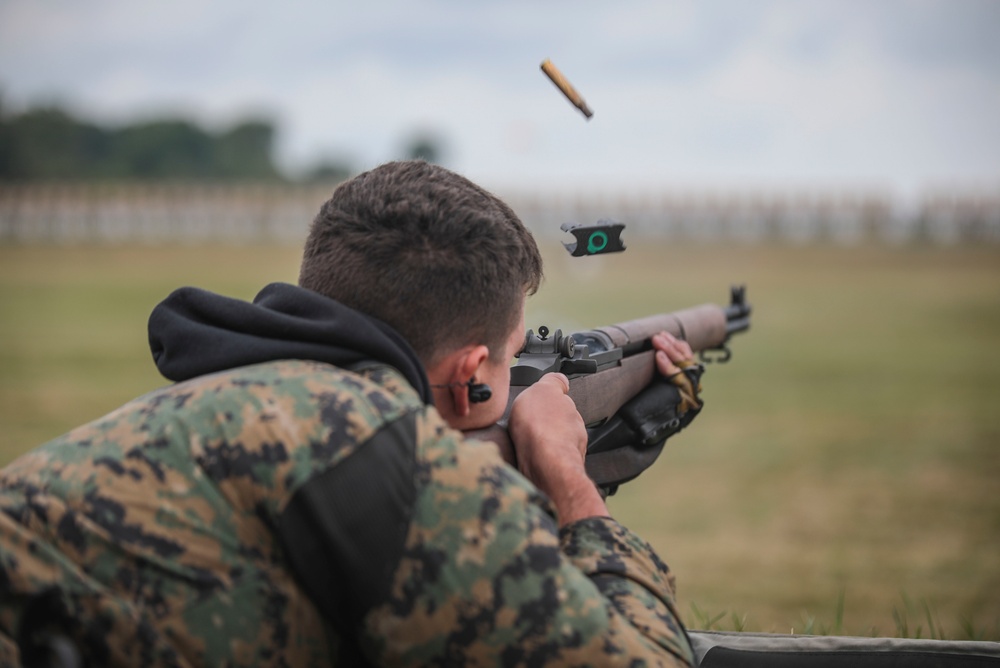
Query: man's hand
{"x": 672, "y": 356}
{"x": 671, "y": 353}
{"x": 550, "y": 441}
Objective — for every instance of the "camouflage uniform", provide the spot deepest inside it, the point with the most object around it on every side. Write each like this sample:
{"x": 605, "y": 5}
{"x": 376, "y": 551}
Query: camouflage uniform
{"x": 168, "y": 529}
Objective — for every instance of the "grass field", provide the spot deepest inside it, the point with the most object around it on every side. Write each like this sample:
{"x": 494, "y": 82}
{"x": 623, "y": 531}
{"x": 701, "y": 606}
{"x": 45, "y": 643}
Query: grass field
{"x": 843, "y": 477}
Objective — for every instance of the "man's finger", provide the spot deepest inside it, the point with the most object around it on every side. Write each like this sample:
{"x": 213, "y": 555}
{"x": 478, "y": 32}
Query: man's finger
{"x": 677, "y": 350}
{"x": 665, "y": 365}
{"x": 561, "y": 378}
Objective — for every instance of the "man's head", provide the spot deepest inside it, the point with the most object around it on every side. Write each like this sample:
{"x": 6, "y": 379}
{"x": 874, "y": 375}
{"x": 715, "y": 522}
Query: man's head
{"x": 427, "y": 251}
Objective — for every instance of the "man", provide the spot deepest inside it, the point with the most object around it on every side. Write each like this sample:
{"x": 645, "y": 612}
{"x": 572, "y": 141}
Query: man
{"x": 304, "y": 496}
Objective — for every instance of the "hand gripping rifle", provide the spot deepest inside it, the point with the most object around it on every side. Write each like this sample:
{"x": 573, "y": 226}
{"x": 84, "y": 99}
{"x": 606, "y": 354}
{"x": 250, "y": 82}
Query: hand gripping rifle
{"x": 629, "y": 410}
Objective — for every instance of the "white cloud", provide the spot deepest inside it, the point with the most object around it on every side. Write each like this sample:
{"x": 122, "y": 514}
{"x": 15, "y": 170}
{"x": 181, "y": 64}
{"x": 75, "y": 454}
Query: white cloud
{"x": 896, "y": 92}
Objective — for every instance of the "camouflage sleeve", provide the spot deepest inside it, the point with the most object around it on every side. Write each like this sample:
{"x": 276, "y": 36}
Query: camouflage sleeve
{"x": 9, "y": 655}
{"x": 487, "y": 578}
{"x": 627, "y": 571}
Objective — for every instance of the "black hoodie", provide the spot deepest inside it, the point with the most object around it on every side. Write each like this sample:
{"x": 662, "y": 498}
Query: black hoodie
{"x": 194, "y": 332}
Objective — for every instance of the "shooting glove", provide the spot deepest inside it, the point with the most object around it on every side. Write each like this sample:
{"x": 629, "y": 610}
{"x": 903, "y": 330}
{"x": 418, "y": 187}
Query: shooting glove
{"x": 630, "y": 442}
{"x": 688, "y": 381}
{"x": 666, "y": 406}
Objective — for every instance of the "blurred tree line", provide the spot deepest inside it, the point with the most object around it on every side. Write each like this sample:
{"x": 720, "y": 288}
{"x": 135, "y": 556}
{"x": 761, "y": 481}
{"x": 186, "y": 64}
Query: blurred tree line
{"x": 49, "y": 143}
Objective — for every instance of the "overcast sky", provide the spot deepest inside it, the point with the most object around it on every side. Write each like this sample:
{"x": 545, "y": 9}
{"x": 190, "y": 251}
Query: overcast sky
{"x": 894, "y": 94}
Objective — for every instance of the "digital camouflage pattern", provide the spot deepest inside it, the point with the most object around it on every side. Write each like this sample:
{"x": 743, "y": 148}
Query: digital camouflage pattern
{"x": 155, "y": 524}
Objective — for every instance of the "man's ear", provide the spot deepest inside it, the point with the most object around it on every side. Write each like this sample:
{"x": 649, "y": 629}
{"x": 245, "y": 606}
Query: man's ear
{"x": 466, "y": 367}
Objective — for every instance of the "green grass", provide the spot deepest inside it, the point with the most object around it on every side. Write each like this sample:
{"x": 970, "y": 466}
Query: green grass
{"x": 73, "y": 341}
{"x": 842, "y": 477}
{"x": 915, "y": 620}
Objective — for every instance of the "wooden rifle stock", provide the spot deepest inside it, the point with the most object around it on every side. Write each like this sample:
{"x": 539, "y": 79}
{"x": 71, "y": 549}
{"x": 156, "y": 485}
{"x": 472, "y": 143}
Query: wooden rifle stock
{"x": 610, "y": 365}
{"x": 599, "y": 395}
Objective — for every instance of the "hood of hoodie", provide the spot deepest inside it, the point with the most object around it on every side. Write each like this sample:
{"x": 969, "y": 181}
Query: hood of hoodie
{"x": 194, "y": 332}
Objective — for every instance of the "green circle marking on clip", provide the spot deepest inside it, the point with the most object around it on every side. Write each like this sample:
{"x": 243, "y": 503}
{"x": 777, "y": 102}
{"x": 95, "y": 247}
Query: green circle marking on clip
{"x": 596, "y": 248}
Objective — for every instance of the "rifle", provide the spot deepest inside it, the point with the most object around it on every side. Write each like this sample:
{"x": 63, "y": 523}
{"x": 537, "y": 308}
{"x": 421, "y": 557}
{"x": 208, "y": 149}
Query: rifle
{"x": 613, "y": 380}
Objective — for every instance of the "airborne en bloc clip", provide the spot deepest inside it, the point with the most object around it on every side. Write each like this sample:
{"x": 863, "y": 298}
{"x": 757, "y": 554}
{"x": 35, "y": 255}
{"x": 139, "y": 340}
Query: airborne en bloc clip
{"x": 604, "y": 237}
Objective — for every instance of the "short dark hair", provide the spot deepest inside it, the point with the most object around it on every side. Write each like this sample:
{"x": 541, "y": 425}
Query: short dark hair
{"x": 427, "y": 251}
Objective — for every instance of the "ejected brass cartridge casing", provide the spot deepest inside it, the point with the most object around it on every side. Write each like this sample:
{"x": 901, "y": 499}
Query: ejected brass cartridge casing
{"x": 562, "y": 84}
